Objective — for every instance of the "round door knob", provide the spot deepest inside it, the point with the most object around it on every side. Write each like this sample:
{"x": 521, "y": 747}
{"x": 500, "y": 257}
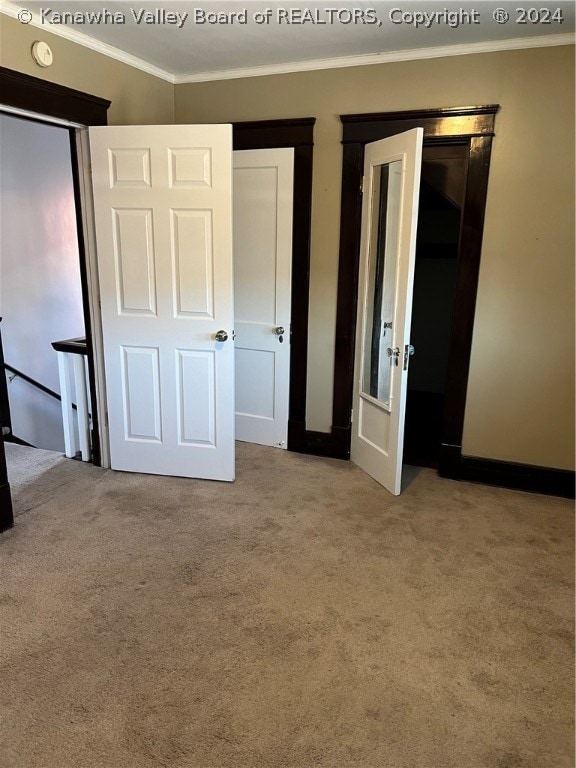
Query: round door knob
{"x": 221, "y": 336}
{"x": 279, "y": 331}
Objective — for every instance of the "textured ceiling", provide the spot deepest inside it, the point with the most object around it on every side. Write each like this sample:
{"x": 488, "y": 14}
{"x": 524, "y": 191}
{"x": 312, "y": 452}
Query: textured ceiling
{"x": 291, "y": 32}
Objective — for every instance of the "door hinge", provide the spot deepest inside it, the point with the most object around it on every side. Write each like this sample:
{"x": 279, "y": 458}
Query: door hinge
{"x": 408, "y": 352}
{"x": 362, "y": 185}
{"x": 352, "y": 416}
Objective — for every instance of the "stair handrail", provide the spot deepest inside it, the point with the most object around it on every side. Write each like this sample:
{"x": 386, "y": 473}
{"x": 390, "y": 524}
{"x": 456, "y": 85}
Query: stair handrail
{"x": 35, "y": 383}
{"x": 30, "y": 380}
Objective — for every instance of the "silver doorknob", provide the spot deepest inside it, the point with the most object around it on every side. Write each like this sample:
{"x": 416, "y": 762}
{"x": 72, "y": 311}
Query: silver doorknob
{"x": 279, "y": 331}
{"x": 221, "y": 336}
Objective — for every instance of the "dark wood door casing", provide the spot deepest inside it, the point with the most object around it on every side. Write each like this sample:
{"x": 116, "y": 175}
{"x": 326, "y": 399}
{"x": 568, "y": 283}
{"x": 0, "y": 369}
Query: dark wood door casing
{"x": 469, "y": 126}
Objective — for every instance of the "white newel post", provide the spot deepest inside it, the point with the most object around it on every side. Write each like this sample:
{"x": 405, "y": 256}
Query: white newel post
{"x": 71, "y": 365}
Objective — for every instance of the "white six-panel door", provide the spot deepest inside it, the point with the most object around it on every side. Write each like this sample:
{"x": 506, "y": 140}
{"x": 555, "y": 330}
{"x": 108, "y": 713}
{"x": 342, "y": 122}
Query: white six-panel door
{"x": 263, "y": 205}
{"x": 387, "y": 257}
{"x": 163, "y": 218}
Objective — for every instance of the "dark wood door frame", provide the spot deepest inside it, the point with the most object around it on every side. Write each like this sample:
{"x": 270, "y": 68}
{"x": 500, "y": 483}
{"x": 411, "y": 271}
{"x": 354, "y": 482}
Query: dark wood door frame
{"x": 46, "y": 99}
{"x": 469, "y": 126}
{"x": 6, "y": 511}
{"x": 297, "y": 133}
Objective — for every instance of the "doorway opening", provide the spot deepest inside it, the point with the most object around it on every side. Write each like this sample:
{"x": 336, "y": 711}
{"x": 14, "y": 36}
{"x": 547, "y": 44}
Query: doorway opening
{"x": 441, "y": 199}
{"x": 41, "y": 290}
{"x": 471, "y": 128}
{"x": 263, "y": 203}
{"x": 296, "y": 133}
{"x": 41, "y": 101}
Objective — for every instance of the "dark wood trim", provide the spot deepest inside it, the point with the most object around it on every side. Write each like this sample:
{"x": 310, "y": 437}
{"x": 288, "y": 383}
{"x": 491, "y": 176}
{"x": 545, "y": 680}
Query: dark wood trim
{"x": 350, "y": 222}
{"x": 300, "y": 298}
{"x": 465, "y": 289}
{"x": 299, "y": 134}
{"x": 449, "y": 461}
{"x": 5, "y": 418}
{"x": 50, "y": 99}
{"x": 334, "y": 444}
{"x": 451, "y": 122}
{"x": 472, "y": 127}
{"x": 6, "y": 511}
{"x": 17, "y": 440}
{"x": 508, "y": 474}
{"x": 269, "y": 134}
{"x": 73, "y": 346}
{"x": 86, "y": 301}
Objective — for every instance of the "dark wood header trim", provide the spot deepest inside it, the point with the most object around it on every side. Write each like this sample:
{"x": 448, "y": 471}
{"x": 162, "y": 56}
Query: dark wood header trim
{"x": 416, "y": 114}
{"x": 46, "y": 98}
{"x": 268, "y": 134}
{"x": 287, "y": 122}
{"x": 462, "y": 122}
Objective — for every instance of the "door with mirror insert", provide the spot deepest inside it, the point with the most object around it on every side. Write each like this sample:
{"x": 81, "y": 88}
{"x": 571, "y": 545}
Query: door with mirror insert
{"x": 383, "y": 349}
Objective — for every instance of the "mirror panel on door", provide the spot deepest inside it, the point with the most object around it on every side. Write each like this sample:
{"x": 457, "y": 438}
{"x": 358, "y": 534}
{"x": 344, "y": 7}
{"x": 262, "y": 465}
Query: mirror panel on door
{"x": 387, "y": 185}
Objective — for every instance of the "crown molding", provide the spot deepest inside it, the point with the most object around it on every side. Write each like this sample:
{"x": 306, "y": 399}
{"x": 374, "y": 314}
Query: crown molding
{"x": 413, "y": 54}
{"x": 388, "y": 57}
{"x": 79, "y": 38}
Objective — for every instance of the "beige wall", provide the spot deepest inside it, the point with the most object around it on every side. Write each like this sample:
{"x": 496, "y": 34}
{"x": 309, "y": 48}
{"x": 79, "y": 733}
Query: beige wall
{"x": 520, "y": 403}
{"x": 136, "y": 96}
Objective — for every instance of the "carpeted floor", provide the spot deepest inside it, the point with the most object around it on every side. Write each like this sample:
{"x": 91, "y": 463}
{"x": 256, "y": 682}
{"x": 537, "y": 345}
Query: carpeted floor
{"x": 27, "y": 466}
{"x": 299, "y": 617}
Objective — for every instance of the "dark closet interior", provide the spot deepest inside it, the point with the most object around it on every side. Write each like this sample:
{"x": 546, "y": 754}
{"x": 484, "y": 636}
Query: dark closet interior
{"x": 442, "y": 191}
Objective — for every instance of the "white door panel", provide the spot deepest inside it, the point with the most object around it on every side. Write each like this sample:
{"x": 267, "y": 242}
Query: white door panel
{"x": 263, "y": 205}
{"x": 387, "y": 257}
{"x": 163, "y": 215}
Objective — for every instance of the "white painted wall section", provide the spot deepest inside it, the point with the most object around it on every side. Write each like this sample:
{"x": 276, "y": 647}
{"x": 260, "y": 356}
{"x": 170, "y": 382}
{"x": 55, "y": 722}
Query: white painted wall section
{"x": 40, "y": 290}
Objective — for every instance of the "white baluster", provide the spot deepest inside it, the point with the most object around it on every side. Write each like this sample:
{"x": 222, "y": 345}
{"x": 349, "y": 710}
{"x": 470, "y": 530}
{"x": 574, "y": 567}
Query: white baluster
{"x": 82, "y": 405}
{"x": 67, "y": 411}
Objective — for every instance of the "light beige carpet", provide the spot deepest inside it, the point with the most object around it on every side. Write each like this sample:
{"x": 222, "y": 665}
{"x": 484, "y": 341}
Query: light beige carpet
{"x": 299, "y": 617}
{"x": 27, "y": 465}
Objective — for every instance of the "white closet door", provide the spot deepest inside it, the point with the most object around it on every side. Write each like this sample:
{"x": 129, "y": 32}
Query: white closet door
{"x": 263, "y": 205}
